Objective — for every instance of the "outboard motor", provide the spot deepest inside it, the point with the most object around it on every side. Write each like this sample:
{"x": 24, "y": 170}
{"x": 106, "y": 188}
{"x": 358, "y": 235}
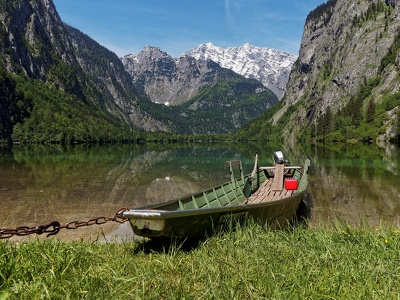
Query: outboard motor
{"x": 279, "y": 159}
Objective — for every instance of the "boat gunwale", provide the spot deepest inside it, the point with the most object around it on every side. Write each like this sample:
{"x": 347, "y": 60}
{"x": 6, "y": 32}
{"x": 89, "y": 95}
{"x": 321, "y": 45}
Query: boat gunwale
{"x": 153, "y": 214}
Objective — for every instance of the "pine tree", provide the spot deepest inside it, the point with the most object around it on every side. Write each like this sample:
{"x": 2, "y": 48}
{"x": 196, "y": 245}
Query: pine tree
{"x": 370, "y": 111}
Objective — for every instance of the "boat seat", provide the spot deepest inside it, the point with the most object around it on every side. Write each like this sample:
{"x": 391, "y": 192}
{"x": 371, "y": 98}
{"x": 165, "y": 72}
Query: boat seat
{"x": 278, "y": 178}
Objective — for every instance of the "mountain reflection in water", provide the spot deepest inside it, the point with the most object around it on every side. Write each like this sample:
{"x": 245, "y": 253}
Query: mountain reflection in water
{"x": 46, "y": 183}
{"x": 356, "y": 183}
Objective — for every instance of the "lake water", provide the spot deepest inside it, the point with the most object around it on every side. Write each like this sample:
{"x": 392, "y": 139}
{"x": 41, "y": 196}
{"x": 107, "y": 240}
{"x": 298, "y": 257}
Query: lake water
{"x": 41, "y": 184}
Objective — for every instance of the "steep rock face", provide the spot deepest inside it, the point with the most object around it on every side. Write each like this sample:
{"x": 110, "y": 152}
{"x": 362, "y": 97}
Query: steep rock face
{"x": 164, "y": 79}
{"x": 35, "y": 42}
{"x": 342, "y": 47}
{"x": 271, "y": 67}
{"x": 27, "y": 24}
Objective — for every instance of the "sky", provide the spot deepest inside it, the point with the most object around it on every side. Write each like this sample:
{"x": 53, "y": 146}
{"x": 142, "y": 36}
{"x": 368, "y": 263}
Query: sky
{"x": 175, "y": 26}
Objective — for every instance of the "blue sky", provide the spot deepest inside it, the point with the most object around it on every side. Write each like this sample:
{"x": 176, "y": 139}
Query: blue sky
{"x": 175, "y": 26}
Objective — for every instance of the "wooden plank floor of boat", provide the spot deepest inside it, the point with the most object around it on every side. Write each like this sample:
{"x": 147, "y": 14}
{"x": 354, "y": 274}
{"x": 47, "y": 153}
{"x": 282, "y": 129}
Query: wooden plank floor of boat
{"x": 266, "y": 193}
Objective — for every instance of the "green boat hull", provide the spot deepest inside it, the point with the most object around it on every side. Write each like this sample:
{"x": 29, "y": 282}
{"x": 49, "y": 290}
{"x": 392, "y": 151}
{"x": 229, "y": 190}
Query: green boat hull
{"x": 198, "y": 215}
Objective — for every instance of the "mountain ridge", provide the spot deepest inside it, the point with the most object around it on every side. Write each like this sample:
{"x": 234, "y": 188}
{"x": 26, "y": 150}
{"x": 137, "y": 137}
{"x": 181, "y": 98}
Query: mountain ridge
{"x": 270, "y": 66}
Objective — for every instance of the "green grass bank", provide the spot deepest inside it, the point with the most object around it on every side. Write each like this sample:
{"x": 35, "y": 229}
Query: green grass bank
{"x": 250, "y": 263}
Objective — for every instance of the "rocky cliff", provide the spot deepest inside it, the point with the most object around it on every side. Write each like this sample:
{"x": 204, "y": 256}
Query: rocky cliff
{"x": 167, "y": 80}
{"x": 348, "y": 68}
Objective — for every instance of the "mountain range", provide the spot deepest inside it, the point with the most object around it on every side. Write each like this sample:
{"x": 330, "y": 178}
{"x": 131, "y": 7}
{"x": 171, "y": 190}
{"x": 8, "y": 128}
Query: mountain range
{"x": 200, "y": 93}
{"x": 176, "y": 80}
{"x": 59, "y": 85}
{"x": 270, "y": 66}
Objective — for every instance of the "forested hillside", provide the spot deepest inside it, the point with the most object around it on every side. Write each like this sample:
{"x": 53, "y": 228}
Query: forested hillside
{"x": 62, "y": 118}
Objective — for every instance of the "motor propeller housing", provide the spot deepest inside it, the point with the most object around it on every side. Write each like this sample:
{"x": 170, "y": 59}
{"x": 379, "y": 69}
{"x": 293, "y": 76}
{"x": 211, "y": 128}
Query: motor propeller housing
{"x": 279, "y": 158}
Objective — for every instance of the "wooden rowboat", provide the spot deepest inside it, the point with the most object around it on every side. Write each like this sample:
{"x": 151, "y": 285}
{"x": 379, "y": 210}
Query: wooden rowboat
{"x": 270, "y": 195}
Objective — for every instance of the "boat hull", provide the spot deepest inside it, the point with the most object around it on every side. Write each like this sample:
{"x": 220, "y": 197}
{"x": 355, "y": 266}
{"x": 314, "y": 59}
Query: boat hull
{"x": 199, "y": 223}
{"x": 200, "y": 214}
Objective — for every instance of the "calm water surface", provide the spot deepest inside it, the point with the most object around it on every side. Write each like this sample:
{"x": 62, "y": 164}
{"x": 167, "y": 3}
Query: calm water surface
{"x": 45, "y": 183}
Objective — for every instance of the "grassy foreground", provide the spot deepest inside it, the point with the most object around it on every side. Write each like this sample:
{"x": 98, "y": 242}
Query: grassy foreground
{"x": 250, "y": 263}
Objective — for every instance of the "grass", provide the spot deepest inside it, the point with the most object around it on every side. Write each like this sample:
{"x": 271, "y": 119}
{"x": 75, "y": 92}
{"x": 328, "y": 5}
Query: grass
{"x": 250, "y": 263}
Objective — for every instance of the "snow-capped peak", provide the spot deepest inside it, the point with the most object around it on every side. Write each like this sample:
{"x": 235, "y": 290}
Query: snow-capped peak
{"x": 272, "y": 67}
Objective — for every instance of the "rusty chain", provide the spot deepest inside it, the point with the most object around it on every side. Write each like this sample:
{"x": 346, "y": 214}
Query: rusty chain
{"x": 54, "y": 227}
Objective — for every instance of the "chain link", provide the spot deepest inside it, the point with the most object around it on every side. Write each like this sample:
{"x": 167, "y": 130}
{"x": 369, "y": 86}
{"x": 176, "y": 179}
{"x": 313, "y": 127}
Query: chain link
{"x": 54, "y": 227}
